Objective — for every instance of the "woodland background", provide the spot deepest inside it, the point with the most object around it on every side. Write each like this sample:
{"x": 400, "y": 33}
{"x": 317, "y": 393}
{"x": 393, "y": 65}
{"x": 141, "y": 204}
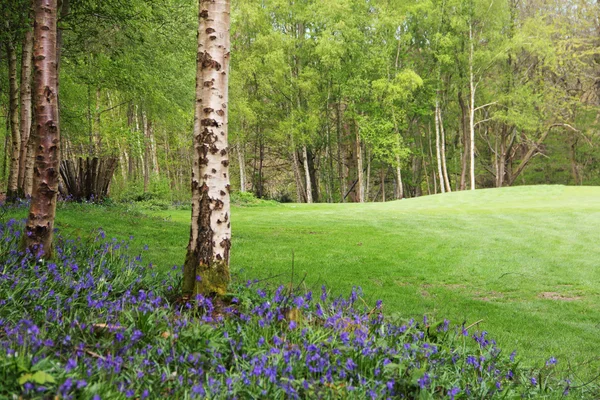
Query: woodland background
{"x": 343, "y": 100}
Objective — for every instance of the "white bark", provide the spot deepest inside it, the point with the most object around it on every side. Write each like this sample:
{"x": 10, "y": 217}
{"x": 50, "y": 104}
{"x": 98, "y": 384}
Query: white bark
{"x": 443, "y": 148}
{"x": 368, "y": 182}
{"x": 242, "y": 163}
{"x": 210, "y": 233}
{"x": 309, "y": 198}
{"x": 438, "y": 149}
{"x": 472, "y": 87}
{"x": 400, "y": 185}
{"x": 359, "y": 169}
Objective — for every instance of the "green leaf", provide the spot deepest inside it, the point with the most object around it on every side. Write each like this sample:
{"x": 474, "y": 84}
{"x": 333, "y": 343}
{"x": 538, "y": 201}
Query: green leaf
{"x": 25, "y": 378}
{"x": 42, "y": 377}
{"x": 39, "y": 377}
{"x": 22, "y": 365}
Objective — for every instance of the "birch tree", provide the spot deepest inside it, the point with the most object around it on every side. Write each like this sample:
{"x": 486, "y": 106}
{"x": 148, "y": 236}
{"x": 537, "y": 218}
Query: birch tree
{"x": 206, "y": 268}
{"x": 46, "y": 135}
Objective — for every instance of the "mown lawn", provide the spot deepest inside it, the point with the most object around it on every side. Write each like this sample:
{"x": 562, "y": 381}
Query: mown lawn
{"x": 523, "y": 260}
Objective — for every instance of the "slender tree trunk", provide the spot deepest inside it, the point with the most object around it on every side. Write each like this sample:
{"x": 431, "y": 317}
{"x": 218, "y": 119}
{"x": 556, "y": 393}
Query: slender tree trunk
{"x": 309, "y": 197}
{"x": 153, "y": 152}
{"x": 25, "y": 126}
{"x": 261, "y": 158}
{"x": 472, "y": 87}
{"x": 97, "y": 135}
{"x": 399, "y": 183}
{"x": 206, "y": 268}
{"x": 329, "y": 152}
{"x": 139, "y": 142}
{"x": 465, "y": 142}
{"x": 383, "y": 171}
{"x": 123, "y": 160}
{"x": 242, "y": 163}
{"x": 131, "y": 156}
{"x": 170, "y": 174}
{"x": 435, "y": 187}
{"x": 29, "y": 163}
{"x": 500, "y": 173}
{"x": 573, "y": 159}
{"x": 368, "y": 183}
{"x": 5, "y": 158}
{"x": 360, "y": 190}
{"x": 443, "y": 151}
{"x": 13, "y": 177}
{"x": 438, "y": 149}
{"x": 146, "y": 152}
{"x": 300, "y": 192}
{"x": 340, "y": 155}
{"x": 40, "y": 223}
{"x": 313, "y": 169}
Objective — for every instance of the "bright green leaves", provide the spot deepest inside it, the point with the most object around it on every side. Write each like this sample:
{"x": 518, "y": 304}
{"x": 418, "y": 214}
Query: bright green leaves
{"x": 39, "y": 378}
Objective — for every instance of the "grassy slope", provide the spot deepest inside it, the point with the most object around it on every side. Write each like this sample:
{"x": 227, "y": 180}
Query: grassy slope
{"x": 523, "y": 259}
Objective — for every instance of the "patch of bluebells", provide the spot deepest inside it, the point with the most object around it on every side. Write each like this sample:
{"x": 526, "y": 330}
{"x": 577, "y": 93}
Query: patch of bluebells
{"x": 98, "y": 323}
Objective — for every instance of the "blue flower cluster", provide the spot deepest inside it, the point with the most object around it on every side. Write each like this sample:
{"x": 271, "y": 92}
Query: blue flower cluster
{"x": 97, "y": 323}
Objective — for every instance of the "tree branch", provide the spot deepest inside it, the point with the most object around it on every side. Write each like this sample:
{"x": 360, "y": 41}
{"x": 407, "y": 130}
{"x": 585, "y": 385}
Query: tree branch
{"x": 486, "y": 105}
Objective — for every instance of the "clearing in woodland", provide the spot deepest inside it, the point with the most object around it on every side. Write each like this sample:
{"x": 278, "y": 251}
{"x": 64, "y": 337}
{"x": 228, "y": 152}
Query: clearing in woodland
{"x": 522, "y": 260}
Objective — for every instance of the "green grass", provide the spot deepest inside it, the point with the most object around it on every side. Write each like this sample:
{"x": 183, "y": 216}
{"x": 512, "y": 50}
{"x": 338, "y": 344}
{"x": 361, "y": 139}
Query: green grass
{"x": 525, "y": 260}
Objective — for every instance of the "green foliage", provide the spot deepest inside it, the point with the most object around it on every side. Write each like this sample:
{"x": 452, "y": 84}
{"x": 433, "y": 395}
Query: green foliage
{"x": 248, "y": 199}
{"x": 158, "y": 189}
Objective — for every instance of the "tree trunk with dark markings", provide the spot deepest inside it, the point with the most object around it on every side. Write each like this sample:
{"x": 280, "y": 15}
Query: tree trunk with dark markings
{"x": 206, "y": 268}
{"x": 46, "y": 137}
{"x": 25, "y": 107}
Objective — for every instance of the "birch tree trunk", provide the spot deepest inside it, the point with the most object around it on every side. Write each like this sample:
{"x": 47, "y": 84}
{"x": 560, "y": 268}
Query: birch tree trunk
{"x": 383, "y": 171}
{"x": 472, "y": 87}
{"x": 242, "y": 162}
{"x": 25, "y": 125}
{"x": 431, "y": 158}
{"x": 123, "y": 160}
{"x": 399, "y": 185}
{"x": 29, "y": 164}
{"x": 300, "y": 192}
{"x": 465, "y": 142}
{"x": 146, "y": 151}
{"x": 368, "y": 183}
{"x": 359, "y": 170}
{"x": 340, "y": 154}
{"x": 309, "y": 197}
{"x": 153, "y": 152}
{"x": 46, "y": 137}
{"x": 206, "y": 268}
{"x": 443, "y": 149}
{"x": 438, "y": 150}
{"x": 13, "y": 176}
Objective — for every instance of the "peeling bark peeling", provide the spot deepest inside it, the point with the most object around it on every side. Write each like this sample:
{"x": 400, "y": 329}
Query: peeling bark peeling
{"x": 206, "y": 268}
{"x": 46, "y": 137}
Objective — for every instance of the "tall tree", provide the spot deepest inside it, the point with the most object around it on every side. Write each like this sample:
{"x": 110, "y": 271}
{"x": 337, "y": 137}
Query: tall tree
{"x": 206, "y": 268}
{"x": 46, "y": 135}
{"x": 11, "y": 56}
{"x": 26, "y": 103}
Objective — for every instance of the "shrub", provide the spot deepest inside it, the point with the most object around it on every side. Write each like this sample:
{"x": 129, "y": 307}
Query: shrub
{"x": 98, "y": 323}
{"x": 248, "y": 199}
